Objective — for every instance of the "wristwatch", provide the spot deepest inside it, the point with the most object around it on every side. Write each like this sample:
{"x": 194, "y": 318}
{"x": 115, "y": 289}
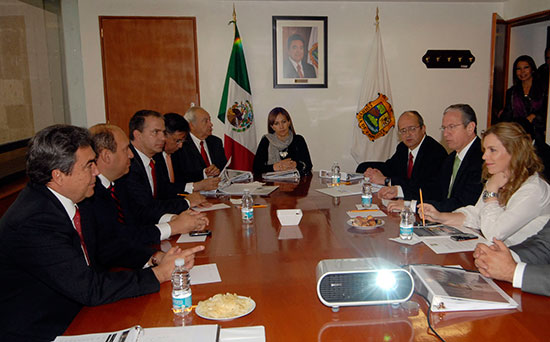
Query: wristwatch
{"x": 387, "y": 181}
{"x": 487, "y": 194}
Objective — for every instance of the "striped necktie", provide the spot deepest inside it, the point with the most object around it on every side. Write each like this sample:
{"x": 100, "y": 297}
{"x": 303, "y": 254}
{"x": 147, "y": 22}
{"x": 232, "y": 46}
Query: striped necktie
{"x": 120, "y": 214}
{"x": 78, "y": 228}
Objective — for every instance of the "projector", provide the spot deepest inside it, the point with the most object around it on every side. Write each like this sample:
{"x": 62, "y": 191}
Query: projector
{"x": 365, "y": 281}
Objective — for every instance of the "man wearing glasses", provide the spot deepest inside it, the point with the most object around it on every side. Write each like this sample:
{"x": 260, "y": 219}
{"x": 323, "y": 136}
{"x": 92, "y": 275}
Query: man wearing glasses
{"x": 177, "y": 130}
{"x": 414, "y": 165}
{"x": 460, "y": 177}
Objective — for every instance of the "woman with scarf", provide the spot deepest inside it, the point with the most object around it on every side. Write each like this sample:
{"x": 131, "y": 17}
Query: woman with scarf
{"x": 281, "y": 149}
{"x": 526, "y": 98}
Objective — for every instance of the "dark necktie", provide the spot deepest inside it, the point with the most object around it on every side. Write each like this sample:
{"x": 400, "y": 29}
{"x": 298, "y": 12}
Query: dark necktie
{"x": 154, "y": 176}
{"x": 410, "y": 166}
{"x": 120, "y": 214}
{"x": 78, "y": 228}
{"x": 204, "y": 155}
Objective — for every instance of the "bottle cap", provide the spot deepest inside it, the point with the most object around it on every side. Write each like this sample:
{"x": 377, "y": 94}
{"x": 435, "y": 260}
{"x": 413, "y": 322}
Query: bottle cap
{"x": 180, "y": 262}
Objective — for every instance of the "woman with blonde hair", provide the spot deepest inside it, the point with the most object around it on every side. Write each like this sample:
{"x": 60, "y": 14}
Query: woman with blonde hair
{"x": 515, "y": 203}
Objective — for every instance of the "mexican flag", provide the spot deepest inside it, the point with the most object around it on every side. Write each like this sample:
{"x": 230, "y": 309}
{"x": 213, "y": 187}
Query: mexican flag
{"x": 236, "y": 110}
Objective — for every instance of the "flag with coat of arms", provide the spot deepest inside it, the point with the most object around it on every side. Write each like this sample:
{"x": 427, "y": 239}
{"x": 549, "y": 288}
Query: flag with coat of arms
{"x": 236, "y": 109}
{"x": 373, "y": 134}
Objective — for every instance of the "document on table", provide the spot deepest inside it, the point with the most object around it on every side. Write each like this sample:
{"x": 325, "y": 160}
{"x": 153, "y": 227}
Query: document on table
{"x": 204, "y": 274}
{"x": 243, "y": 334}
{"x": 444, "y": 244}
{"x": 373, "y": 211}
{"x": 343, "y": 190}
{"x": 216, "y": 206}
{"x": 188, "y": 238}
{"x": 413, "y": 241}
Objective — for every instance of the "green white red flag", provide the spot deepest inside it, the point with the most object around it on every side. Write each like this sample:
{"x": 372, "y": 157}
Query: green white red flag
{"x": 236, "y": 110}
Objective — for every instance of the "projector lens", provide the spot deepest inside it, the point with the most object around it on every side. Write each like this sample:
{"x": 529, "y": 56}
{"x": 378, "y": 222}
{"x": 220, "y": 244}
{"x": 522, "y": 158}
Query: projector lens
{"x": 385, "y": 280}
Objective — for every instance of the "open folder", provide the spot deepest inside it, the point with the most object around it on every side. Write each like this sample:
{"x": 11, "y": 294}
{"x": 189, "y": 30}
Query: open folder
{"x": 203, "y": 333}
{"x": 455, "y": 289}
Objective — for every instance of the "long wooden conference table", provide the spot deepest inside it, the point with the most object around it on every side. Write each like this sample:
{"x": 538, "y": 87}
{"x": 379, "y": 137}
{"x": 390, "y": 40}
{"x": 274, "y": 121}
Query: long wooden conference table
{"x": 280, "y": 276}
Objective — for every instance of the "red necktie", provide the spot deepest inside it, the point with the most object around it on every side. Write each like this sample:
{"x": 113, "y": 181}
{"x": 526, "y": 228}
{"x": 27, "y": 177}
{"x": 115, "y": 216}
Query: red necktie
{"x": 204, "y": 155}
{"x": 299, "y": 69}
{"x": 120, "y": 214}
{"x": 410, "y": 166}
{"x": 78, "y": 227}
{"x": 154, "y": 176}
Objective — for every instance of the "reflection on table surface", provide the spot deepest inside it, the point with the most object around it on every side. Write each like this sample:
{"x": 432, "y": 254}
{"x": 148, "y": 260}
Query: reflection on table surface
{"x": 279, "y": 274}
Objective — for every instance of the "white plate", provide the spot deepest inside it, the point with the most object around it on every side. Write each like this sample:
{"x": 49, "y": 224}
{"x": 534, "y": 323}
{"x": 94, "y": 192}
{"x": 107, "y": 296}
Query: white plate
{"x": 380, "y": 223}
{"x": 229, "y": 318}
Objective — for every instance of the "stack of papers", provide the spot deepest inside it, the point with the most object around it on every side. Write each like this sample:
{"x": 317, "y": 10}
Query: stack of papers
{"x": 344, "y": 176}
{"x": 289, "y": 175}
{"x": 256, "y": 188}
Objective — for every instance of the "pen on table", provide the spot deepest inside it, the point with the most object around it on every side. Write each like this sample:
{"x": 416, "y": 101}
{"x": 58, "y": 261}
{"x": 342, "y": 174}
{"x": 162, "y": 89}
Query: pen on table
{"x": 422, "y": 208}
{"x": 258, "y": 206}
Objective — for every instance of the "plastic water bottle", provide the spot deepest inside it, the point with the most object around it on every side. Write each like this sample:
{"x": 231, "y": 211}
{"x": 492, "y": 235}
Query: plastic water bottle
{"x": 407, "y": 222}
{"x": 247, "y": 210}
{"x": 335, "y": 173}
{"x": 181, "y": 290}
{"x": 366, "y": 194}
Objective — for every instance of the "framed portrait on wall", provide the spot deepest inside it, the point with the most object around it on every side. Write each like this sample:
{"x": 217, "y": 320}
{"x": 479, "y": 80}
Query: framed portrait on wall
{"x": 299, "y": 52}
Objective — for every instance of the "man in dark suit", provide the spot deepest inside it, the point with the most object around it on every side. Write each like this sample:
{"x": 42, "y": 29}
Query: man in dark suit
{"x": 525, "y": 265}
{"x": 460, "y": 175}
{"x": 295, "y": 66}
{"x": 111, "y": 203}
{"x": 202, "y": 155}
{"x": 414, "y": 165}
{"x": 54, "y": 259}
{"x": 177, "y": 130}
{"x": 148, "y": 182}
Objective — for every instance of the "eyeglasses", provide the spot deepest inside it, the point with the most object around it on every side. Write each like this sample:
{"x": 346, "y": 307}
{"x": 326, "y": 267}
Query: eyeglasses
{"x": 406, "y": 130}
{"x": 450, "y": 127}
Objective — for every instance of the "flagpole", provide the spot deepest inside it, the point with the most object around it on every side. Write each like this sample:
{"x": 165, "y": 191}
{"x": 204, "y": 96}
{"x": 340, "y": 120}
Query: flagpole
{"x": 376, "y": 19}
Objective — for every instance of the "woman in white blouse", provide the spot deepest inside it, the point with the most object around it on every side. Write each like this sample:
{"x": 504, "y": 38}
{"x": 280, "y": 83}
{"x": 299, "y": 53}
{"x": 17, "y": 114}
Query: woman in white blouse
{"x": 515, "y": 203}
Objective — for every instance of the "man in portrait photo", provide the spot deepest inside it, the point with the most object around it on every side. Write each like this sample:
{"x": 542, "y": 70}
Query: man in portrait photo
{"x": 295, "y": 65}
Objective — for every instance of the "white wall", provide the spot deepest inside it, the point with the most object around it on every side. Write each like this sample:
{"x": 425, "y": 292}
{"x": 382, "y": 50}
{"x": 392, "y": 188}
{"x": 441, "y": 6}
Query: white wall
{"x": 518, "y": 8}
{"x": 323, "y": 116}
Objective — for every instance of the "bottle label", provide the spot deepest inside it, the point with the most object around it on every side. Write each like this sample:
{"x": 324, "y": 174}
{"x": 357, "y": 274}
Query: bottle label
{"x": 180, "y": 303}
{"x": 403, "y": 230}
{"x": 247, "y": 214}
{"x": 366, "y": 201}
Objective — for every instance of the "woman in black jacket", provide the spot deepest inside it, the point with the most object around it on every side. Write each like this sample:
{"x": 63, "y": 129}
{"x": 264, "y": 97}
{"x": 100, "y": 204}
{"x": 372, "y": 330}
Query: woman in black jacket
{"x": 281, "y": 149}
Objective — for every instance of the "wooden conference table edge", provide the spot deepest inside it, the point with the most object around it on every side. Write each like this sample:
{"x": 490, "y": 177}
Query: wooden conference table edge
{"x": 154, "y": 310}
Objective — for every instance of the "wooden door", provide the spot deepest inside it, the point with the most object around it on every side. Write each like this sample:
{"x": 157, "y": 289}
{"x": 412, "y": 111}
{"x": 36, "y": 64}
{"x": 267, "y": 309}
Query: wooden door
{"x": 148, "y": 63}
{"x": 499, "y": 69}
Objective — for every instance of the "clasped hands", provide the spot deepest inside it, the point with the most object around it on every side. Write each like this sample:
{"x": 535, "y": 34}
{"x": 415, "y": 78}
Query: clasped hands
{"x": 285, "y": 164}
{"x": 495, "y": 261}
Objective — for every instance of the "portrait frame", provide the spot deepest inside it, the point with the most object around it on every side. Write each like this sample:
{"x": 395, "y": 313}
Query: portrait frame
{"x": 306, "y": 34}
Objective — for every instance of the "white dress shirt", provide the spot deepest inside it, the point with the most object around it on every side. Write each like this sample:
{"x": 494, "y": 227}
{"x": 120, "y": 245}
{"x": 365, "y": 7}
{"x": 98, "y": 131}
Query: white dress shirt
{"x": 526, "y": 212}
{"x": 197, "y": 143}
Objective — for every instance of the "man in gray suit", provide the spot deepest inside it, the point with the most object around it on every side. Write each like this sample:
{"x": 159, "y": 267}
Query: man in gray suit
{"x": 526, "y": 265}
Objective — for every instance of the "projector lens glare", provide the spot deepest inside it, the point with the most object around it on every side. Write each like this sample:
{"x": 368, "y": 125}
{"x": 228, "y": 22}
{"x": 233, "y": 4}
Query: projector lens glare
{"x": 385, "y": 280}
